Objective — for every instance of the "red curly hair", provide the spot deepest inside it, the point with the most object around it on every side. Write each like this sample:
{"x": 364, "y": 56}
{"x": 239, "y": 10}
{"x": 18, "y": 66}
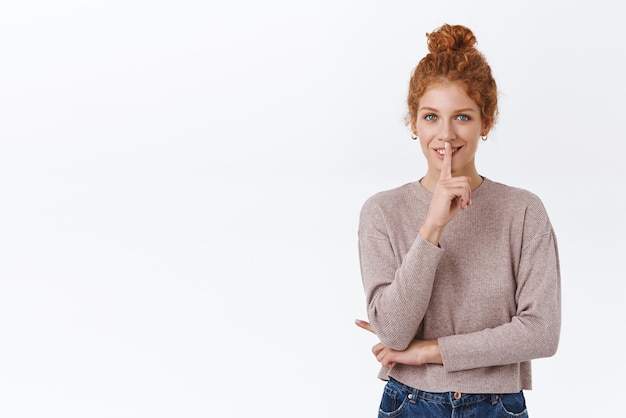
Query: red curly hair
{"x": 453, "y": 59}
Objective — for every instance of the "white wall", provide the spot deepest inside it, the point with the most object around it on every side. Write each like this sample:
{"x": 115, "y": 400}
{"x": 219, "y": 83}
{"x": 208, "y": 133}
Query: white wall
{"x": 181, "y": 184}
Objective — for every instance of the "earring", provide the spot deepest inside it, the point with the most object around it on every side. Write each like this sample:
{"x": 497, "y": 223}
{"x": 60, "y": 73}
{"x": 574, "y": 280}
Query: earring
{"x": 483, "y": 137}
{"x": 414, "y": 137}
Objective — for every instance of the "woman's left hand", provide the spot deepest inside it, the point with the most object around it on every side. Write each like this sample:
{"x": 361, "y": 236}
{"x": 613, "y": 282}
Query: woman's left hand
{"x": 418, "y": 353}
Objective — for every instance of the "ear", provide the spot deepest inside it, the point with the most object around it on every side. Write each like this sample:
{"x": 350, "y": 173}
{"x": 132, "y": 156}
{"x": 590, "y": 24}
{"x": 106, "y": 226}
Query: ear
{"x": 486, "y": 129}
{"x": 413, "y": 125}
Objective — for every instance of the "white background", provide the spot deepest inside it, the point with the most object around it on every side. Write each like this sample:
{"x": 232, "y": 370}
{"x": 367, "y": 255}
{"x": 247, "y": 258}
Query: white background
{"x": 181, "y": 184}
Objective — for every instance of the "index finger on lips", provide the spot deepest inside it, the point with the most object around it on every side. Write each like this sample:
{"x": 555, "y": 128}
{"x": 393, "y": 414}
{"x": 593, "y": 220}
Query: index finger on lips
{"x": 446, "y": 166}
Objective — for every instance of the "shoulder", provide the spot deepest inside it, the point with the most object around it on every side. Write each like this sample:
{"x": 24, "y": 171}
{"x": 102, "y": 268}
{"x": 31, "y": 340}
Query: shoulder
{"x": 387, "y": 199}
{"x": 379, "y": 208}
{"x": 520, "y": 204}
{"x": 513, "y": 196}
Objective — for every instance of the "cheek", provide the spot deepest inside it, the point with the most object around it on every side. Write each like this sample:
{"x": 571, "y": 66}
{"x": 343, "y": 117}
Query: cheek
{"x": 472, "y": 147}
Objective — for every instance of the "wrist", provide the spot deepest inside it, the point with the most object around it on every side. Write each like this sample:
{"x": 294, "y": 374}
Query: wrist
{"x": 435, "y": 354}
{"x": 431, "y": 233}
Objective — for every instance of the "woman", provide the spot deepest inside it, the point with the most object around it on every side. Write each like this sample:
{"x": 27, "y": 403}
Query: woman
{"x": 461, "y": 273}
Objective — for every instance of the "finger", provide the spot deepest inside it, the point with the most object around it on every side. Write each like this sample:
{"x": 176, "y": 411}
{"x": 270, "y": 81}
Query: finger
{"x": 365, "y": 325}
{"x": 467, "y": 194}
{"x": 381, "y": 356}
{"x": 388, "y": 364}
{"x": 385, "y": 358}
{"x": 460, "y": 189}
{"x": 446, "y": 166}
{"x": 377, "y": 349}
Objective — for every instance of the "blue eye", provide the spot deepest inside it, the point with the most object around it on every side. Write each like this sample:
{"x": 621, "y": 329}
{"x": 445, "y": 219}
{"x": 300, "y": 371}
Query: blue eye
{"x": 463, "y": 118}
{"x": 430, "y": 117}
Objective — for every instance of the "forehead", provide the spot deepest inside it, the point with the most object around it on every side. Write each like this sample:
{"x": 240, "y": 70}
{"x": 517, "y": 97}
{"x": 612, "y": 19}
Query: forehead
{"x": 447, "y": 96}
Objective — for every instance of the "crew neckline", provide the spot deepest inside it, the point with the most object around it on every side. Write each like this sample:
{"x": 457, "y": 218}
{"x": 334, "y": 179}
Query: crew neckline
{"x": 475, "y": 193}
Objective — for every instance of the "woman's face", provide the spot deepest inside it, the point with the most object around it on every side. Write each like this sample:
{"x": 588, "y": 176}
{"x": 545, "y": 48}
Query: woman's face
{"x": 446, "y": 114}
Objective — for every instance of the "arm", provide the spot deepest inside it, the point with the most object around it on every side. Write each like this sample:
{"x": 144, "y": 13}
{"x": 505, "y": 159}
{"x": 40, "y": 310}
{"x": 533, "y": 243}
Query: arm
{"x": 532, "y": 333}
{"x": 397, "y": 296}
{"x": 418, "y": 353}
{"x": 534, "y": 330}
{"x": 398, "y": 289}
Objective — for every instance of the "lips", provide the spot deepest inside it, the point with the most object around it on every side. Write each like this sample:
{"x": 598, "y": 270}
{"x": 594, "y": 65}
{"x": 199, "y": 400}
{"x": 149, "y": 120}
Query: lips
{"x": 442, "y": 151}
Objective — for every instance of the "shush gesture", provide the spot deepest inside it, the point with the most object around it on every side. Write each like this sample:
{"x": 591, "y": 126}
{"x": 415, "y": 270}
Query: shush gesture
{"x": 429, "y": 294}
{"x": 450, "y": 194}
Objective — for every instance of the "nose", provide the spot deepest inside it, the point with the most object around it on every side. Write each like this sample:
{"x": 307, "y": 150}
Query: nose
{"x": 446, "y": 131}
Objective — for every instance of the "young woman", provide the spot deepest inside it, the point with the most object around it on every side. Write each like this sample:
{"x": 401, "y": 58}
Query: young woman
{"x": 461, "y": 273}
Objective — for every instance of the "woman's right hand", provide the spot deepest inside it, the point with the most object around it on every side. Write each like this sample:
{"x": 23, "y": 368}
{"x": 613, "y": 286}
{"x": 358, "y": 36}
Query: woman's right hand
{"x": 450, "y": 194}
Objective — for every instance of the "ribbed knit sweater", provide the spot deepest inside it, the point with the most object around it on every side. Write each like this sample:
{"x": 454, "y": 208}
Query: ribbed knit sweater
{"x": 490, "y": 293}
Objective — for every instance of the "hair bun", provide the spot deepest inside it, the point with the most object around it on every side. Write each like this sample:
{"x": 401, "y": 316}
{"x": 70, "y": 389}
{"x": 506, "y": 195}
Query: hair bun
{"x": 450, "y": 38}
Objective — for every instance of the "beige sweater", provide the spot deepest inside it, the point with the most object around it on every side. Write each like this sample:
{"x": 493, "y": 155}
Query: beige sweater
{"x": 490, "y": 293}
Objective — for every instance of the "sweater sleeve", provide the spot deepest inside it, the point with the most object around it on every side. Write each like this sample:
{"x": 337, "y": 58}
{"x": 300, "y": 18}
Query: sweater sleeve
{"x": 534, "y": 330}
{"x": 397, "y": 290}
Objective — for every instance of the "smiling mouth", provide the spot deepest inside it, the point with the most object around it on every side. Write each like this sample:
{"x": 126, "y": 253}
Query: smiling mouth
{"x": 442, "y": 151}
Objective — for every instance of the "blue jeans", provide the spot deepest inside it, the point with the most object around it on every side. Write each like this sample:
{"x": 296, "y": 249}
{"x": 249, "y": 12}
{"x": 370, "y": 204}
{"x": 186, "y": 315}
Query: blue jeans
{"x": 402, "y": 401}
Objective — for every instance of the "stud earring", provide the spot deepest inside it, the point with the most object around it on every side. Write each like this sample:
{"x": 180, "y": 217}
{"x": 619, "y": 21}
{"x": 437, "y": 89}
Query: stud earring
{"x": 414, "y": 137}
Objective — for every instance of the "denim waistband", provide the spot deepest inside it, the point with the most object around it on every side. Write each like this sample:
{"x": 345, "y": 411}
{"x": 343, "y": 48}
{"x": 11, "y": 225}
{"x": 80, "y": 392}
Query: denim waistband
{"x": 450, "y": 398}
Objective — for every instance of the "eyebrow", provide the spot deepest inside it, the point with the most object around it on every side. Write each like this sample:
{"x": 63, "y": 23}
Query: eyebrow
{"x": 432, "y": 109}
